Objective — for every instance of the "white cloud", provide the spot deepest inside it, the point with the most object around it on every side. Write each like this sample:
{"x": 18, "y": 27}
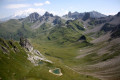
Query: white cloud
{"x": 38, "y": 4}
{"x": 26, "y": 12}
{"x": 29, "y": 11}
{"x": 41, "y": 4}
{"x": 109, "y": 14}
{"x": 60, "y": 12}
{"x": 16, "y": 6}
{"x": 47, "y": 2}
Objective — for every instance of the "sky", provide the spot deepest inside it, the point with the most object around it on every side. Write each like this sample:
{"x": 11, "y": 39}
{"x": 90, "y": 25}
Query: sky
{"x": 57, "y": 7}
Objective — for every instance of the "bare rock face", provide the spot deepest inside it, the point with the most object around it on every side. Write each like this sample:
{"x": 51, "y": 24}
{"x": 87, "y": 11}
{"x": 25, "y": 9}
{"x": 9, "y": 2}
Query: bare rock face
{"x": 35, "y": 55}
{"x": 69, "y": 14}
{"x": 46, "y": 17}
{"x": 118, "y": 14}
{"x": 26, "y": 44}
{"x": 86, "y": 16}
{"x": 48, "y": 14}
{"x": 33, "y": 17}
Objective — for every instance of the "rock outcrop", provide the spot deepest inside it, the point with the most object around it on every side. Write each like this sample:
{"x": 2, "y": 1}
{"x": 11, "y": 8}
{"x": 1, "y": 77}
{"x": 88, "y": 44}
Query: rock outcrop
{"x": 48, "y": 14}
{"x": 26, "y": 44}
{"x": 33, "y": 17}
{"x": 35, "y": 56}
{"x": 77, "y": 15}
{"x": 86, "y": 16}
{"x": 82, "y": 38}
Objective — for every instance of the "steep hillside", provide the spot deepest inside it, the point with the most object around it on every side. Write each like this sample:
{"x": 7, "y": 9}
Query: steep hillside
{"x": 23, "y": 62}
{"x": 48, "y": 27}
{"x": 14, "y": 64}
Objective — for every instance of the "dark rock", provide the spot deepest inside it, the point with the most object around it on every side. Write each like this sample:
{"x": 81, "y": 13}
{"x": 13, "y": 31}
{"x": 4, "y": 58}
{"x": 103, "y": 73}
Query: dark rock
{"x": 4, "y": 49}
{"x": 86, "y": 16}
{"x": 26, "y": 44}
{"x": 108, "y": 27}
{"x": 67, "y": 22}
{"x": 82, "y": 38}
{"x": 33, "y": 17}
{"x": 118, "y": 14}
{"x": 48, "y": 38}
{"x": 57, "y": 21}
{"x": 14, "y": 47}
{"x": 69, "y": 14}
{"x": 45, "y": 17}
{"x": 4, "y": 43}
{"x": 11, "y": 43}
{"x": 116, "y": 32}
{"x": 48, "y": 14}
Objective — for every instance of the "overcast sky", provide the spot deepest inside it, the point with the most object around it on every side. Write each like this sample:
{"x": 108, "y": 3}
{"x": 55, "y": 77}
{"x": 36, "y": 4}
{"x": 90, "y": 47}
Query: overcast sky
{"x": 58, "y": 7}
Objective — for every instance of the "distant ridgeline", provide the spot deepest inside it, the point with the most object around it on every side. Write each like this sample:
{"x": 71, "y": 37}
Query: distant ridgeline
{"x": 52, "y": 27}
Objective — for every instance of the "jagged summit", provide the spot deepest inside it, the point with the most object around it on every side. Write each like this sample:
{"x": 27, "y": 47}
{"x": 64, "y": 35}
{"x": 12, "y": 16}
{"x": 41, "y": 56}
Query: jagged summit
{"x": 33, "y": 17}
{"x": 48, "y": 14}
{"x": 77, "y": 15}
{"x": 86, "y": 16}
{"x": 47, "y": 18}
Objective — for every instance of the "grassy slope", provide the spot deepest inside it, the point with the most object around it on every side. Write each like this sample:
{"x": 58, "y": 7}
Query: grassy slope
{"x": 15, "y": 66}
{"x": 66, "y": 54}
{"x": 14, "y": 29}
{"x": 61, "y": 47}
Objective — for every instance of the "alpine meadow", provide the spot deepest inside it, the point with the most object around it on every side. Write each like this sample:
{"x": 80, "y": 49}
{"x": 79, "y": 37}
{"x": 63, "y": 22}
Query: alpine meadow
{"x": 59, "y": 40}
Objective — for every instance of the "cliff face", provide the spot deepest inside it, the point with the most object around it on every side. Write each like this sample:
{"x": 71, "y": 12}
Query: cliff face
{"x": 33, "y": 17}
{"x": 35, "y": 56}
{"x": 26, "y": 44}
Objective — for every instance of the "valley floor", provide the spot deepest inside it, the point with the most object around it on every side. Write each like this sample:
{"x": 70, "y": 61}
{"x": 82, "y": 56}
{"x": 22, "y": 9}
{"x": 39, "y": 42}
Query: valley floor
{"x": 93, "y": 60}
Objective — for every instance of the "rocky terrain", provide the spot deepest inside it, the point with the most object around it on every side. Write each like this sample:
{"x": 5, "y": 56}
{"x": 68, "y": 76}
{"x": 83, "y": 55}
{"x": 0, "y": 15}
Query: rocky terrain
{"x": 77, "y": 15}
{"x": 80, "y": 45}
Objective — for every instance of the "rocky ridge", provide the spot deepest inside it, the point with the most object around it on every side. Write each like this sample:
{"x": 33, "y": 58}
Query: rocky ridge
{"x": 77, "y": 15}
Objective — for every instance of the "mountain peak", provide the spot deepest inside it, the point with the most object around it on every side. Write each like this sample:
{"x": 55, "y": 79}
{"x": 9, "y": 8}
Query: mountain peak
{"x": 86, "y": 16}
{"x": 76, "y": 15}
{"x": 95, "y": 14}
{"x": 118, "y": 14}
{"x": 34, "y": 17}
{"x": 35, "y": 14}
{"x": 69, "y": 14}
{"x": 48, "y": 14}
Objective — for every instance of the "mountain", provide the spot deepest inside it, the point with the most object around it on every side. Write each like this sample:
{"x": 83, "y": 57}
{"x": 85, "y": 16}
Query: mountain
{"x": 76, "y": 15}
{"x": 105, "y": 24}
{"x": 33, "y": 17}
{"x": 35, "y": 24}
{"x": 47, "y": 18}
{"x": 22, "y": 61}
{"x": 61, "y": 48}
